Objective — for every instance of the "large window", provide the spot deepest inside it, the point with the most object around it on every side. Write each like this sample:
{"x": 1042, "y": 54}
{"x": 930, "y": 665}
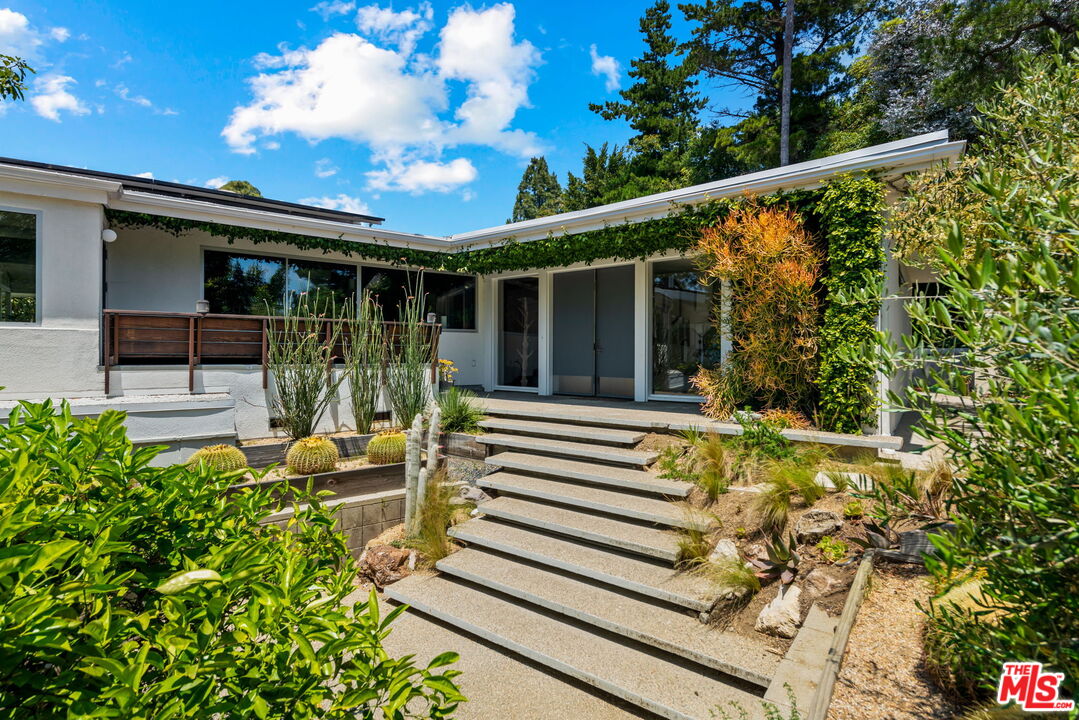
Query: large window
{"x": 18, "y": 267}
{"x": 683, "y": 335}
{"x": 518, "y": 345}
{"x": 238, "y": 284}
{"x": 452, "y": 298}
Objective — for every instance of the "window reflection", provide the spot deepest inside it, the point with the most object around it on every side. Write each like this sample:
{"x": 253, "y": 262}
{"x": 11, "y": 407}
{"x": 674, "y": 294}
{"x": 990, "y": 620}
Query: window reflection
{"x": 683, "y": 334}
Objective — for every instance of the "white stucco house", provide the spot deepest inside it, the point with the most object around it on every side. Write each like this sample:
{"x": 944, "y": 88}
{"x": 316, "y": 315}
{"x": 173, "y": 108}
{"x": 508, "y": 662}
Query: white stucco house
{"x": 106, "y": 316}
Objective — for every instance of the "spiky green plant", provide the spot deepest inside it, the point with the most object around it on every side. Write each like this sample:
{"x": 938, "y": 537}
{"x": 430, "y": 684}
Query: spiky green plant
{"x": 386, "y": 448}
{"x": 410, "y": 354}
{"x": 311, "y": 455}
{"x": 694, "y": 545}
{"x": 365, "y": 354}
{"x": 300, "y": 359}
{"x": 714, "y": 473}
{"x": 693, "y": 435}
{"x": 219, "y": 457}
{"x": 459, "y": 411}
{"x": 732, "y": 574}
{"x": 782, "y": 562}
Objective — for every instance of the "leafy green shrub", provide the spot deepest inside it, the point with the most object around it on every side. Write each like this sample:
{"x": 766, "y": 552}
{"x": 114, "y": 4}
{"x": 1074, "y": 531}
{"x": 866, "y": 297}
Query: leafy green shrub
{"x": 387, "y": 448}
{"x": 312, "y": 455}
{"x": 1013, "y": 304}
{"x": 132, "y": 591}
{"x": 762, "y": 438}
{"x": 833, "y": 549}
{"x": 219, "y": 457}
{"x": 853, "y": 509}
{"x": 459, "y": 411}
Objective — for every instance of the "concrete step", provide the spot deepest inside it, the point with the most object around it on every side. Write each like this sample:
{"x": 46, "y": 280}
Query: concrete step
{"x": 660, "y": 626}
{"x": 590, "y": 473}
{"x": 622, "y": 570}
{"x": 627, "y": 419}
{"x": 657, "y": 683}
{"x": 589, "y": 497}
{"x": 559, "y": 431}
{"x": 625, "y": 536}
{"x": 577, "y": 450}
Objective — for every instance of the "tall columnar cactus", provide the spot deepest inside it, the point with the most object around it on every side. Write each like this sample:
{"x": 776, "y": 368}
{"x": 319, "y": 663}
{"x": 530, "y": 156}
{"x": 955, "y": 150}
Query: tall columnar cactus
{"x": 312, "y": 455}
{"x": 434, "y": 429}
{"x": 219, "y": 457}
{"x": 386, "y": 448}
{"x": 412, "y": 470}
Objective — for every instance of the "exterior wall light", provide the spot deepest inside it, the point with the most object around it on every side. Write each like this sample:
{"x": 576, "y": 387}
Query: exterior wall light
{"x": 202, "y": 306}
{"x": 431, "y": 318}
{"x": 108, "y": 235}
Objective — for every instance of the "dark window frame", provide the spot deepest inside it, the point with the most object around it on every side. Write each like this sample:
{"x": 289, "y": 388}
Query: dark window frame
{"x": 37, "y": 294}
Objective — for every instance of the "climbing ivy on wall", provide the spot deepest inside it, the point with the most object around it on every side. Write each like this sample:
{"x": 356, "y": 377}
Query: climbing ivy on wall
{"x": 851, "y": 217}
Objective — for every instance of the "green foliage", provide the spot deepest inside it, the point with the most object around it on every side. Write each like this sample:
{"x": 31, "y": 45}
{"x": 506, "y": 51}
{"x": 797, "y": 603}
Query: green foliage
{"x": 705, "y": 463}
{"x": 13, "y": 77}
{"x": 771, "y": 712}
{"x": 538, "y": 194}
{"x": 409, "y": 357}
{"x": 299, "y": 357}
{"x": 853, "y": 509}
{"x": 763, "y": 439}
{"x": 694, "y": 545}
{"x": 732, "y": 575}
{"x": 459, "y": 411}
{"x": 241, "y": 187}
{"x": 133, "y": 591}
{"x": 224, "y": 458}
{"x": 851, "y": 210}
{"x": 433, "y": 517}
{"x": 786, "y": 480}
{"x": 782, "y": 562}
{"x": 364, "y": 356}
{"x": 1014, "y": 306}
{"x": 386, "y": 448}
{"x": 311, "y": 455}
{"x": 833, "y": 549}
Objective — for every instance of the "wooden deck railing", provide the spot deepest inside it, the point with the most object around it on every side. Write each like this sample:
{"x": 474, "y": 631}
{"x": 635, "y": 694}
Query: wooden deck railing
{"x": 147, "y": 337}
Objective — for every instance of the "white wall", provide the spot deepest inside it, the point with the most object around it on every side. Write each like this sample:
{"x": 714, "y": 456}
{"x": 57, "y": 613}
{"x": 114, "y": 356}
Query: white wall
{"x": 152, "y": 270}
{"x": 58, "y": 355}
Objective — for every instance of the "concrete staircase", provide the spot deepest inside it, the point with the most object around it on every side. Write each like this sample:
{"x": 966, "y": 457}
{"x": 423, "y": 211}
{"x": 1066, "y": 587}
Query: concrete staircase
{"x": 572, "y": 567}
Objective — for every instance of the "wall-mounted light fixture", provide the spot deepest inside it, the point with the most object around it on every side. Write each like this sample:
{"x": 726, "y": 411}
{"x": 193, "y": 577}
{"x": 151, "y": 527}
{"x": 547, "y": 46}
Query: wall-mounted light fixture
{"x": 431, "y": 318}
{"x": 202, "y": 306}
{"x": 108, "y": 235}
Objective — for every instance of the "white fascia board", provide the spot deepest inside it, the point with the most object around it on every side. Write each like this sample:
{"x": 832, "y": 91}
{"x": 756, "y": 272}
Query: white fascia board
{"x": 153, "y": 204}
{"x": 53, "y": 184}
{"x": 891, "y": 159}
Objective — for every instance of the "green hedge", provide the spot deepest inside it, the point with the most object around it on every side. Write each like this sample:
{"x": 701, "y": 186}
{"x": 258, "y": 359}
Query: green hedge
{"x": 852, "y": 220}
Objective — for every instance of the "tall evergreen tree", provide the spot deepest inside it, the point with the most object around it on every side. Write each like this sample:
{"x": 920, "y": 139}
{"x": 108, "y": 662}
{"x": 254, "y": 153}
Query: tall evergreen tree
{"x": 600, "y": 173}
{"x": 741, "y": 43}
{"x": 241, "y": 187}
{"x": 662, "y": 105}
{"x": 539, "y": 194}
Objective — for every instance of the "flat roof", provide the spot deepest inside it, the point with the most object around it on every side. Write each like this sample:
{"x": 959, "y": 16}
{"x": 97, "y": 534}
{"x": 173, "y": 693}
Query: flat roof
{"x": 193, "y": 192}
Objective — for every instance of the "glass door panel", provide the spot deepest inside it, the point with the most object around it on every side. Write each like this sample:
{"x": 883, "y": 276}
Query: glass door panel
{"x": 518, "y": 346}
{"x": 683, "y": 334}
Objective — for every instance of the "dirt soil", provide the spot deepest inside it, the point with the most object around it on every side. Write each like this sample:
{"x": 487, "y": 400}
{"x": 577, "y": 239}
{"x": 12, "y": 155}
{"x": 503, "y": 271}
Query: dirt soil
{"x": 883, "y": 674}
{"x": 657, "y": 442}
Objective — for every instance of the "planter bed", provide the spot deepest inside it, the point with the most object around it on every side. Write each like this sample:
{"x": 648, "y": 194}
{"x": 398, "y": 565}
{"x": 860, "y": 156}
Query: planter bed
{"x": 261, "y": 453}
{"x": 342, "y": 483}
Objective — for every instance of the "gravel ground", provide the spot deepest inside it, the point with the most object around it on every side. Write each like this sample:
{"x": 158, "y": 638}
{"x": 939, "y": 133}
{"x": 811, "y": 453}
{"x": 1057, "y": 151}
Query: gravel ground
{"x": 883, "y": 674}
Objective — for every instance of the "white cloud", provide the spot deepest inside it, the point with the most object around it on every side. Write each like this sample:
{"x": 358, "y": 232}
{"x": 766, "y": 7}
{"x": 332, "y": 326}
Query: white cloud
{"x": 147, "y": 175}
{"x": 421, "y": 176}
{"x": 329, "y": 8}
{"x": 125, "y": 94}
{"x": 123, "y": 60}
{"x": 341, "y": 202}
{"x": 396, "y": 101}
{"x": 608, "y": 67}
{"x": 217, "y": 182}
{"x": 325, "y": 168}
{"x": 16, "y": 36}
{"x": 402, "y": 29}
{"x": 51, "y": 97}
{"x": 60, "y": 34}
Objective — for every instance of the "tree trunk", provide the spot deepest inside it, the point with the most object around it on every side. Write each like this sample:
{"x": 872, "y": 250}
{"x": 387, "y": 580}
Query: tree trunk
{"x": 785, "y": 100}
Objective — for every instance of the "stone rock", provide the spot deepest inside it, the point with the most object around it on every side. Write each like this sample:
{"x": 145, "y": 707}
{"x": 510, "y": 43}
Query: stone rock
{"x": 783, "y": 615}
{"x": 384, "y": 564}
{"x": 815, "y": 524}
{"x": 471, "y": 494}
{"x": 725, "y": 550}
{"x": 821, "y": 582}
{"x": 756, "y": 550}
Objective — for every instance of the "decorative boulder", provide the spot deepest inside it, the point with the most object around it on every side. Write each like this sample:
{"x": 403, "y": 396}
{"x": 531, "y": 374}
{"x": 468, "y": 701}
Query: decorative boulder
{"x": 384, "y": 564}
{"x": 821, "y": 582}
{"x": 473, "y": 494}
{"x": 725, "y": 550}
{"x": 783, "y": 615}
{"x": 815, "y": 524}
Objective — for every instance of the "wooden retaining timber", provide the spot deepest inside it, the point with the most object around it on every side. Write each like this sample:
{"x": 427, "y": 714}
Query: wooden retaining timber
{"x": 148, "y": 337}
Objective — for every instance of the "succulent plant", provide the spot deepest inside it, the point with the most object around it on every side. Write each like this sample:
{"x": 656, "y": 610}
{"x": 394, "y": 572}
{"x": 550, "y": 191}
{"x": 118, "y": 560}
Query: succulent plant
{"x": 782, "y": 560}
{"x": 386, "y": 448}
{"x": 220, "y": 457}
{"x": 312, "y": 455}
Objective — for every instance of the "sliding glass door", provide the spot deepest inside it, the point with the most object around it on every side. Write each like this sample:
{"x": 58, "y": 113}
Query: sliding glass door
{"x": 683, "y": 334}
{"x": 518, "y": 336}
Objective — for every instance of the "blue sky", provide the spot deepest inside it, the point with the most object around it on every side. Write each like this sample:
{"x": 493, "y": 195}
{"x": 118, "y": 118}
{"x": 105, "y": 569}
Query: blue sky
{"x": 422, "y": 113}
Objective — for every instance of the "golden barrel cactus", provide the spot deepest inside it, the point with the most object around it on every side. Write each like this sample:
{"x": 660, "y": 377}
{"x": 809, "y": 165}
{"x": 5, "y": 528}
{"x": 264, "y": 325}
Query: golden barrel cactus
{"x": 219, "y": 457}
{"x": 386, "y": 448}
{"x": 312, "y": 455}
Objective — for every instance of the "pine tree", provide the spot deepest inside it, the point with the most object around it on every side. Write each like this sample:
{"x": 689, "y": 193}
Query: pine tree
{"x": 241, "y": 187}
{"x": 662, "y": 105}
{"x": 539, "y": 193}
{"x": 601, "y": 172}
